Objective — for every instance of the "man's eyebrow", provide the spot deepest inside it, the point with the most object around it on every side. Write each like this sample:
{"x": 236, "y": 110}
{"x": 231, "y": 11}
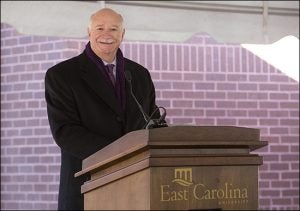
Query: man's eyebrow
{"x": 114, "y": 25}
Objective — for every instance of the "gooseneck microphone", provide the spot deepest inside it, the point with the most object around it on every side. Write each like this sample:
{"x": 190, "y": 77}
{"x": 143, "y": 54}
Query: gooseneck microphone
{"x": 129, "y": 78}
{"x": 150, "y": 123}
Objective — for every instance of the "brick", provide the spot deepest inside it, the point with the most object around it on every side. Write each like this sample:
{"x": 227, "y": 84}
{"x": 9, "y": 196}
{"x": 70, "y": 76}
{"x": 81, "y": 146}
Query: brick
{"x": 157, "y": 56}
{"x": 271, "y": 158}
{"x": 294, "y": 148}
{"x": 46, "y": 46}
{"x": 192, "y": 77}
{"x": 269, "y": 122}
{"x": 279, "y": 148}
{"x": 32, "y": 48}
{"x": 247, "y": 104}
{"x": 269, "y": 105}
{"x": 257, "y": 113}
{"x": 290, "y": 157}
{"x": 216, "y": 113}
{"x": 18, "y": 50}
{"x": 175, "y": 112}
{"x": 279, "y": 96}
{"x": 289, "y": 122}
{"x": 226, "y": 86}
{"x": 270, "y": 193}
{"x": 205, "y": 86}
{"x": 54, "y": 56}
{"x": 247, "y": 87}
{"x": 149, "y": 56}
{"x": 172, "y": 94}
{"x": 193, "y": 95}
{"x": 39, "y": 57}
{"x": 281, "y": 201}
{"x": 290, "y": 192}
{"x": 208, "y": 59}
{"x": 236, "y": 77}
{"x": 33, "y": 66}
{"x": 215, "y": 59}
{"x": 290, "y": 175}
{"x": 293, "y": 96}
{"x": 247, "y": 122}
{"x": 182, "y": 86}
{"x": 171, "y": 57}
{"x": 227, "y": 121}
{"x": 279, "y": 130}
{"x": 193, "y": 64}
{"x": 236, "y": 95}
{"x": 182, "y": 104}
{"x": 264, "y": 202}
{"x": 10, "y": 42}
{"x": 225, "y": 104}
{"x": 236, "y": 113}
{"x": 215, "y": 77}
{"x": 279, "y": 166}
{"x": 25, "y": 39}
{"x": 278, "y": 78}
{"x": 182, "y": 121}
{"x": 40, "y": 150}
{"x": 237, "y": 59}
{"x": 215, "y": 95}
{"x": 204, "y": 104}
{"x": 26, "y": 77}
{"x": 289, "y": 87}
{"x": 269, "y": 176}
{"x": 257, "y": 96}
{"x": 263, "y": 184}
{"x": 193, "y": 112}
{"x": 268, "y": 87}
{"x": 171, "y": 76}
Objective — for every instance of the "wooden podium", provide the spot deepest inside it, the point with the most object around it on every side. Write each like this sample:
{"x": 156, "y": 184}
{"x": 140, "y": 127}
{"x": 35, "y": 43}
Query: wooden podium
{"x": 176, "y": 168}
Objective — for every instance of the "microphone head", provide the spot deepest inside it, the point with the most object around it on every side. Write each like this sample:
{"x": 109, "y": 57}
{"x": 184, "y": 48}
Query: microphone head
{"x": 128, "y": 75}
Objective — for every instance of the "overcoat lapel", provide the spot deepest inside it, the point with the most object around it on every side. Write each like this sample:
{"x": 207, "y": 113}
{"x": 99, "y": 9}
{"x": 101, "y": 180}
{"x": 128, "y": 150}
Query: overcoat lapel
{"x": 93, "y": 78}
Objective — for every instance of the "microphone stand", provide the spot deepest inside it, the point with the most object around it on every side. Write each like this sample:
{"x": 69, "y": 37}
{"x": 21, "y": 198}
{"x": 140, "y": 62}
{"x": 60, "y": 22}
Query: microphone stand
{"x": 150, "y": 123}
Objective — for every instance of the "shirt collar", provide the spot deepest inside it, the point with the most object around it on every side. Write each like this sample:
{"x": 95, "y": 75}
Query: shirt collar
{"x": 113, "y": 62}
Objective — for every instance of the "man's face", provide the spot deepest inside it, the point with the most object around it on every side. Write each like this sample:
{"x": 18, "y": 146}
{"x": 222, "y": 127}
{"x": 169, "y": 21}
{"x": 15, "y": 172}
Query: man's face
{"x": 106, "y": 34}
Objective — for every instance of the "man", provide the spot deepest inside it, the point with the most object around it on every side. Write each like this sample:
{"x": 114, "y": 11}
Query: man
{"x": 88, "y": 108}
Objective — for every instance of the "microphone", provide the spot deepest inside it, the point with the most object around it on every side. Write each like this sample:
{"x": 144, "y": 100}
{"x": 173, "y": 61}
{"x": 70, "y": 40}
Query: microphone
{"x": 150, "y": 123}
{"x": 156, "y": 123}
{"x": 129, "y": 78}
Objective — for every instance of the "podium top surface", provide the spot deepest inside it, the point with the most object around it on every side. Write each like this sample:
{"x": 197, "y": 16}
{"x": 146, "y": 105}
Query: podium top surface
{"x": 184, "y": 137}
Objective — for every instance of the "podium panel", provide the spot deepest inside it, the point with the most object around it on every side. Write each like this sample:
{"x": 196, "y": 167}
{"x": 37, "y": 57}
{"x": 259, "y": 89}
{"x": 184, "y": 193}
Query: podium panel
{"x": 206, "y": 187}
{"x": 176, "y": 168}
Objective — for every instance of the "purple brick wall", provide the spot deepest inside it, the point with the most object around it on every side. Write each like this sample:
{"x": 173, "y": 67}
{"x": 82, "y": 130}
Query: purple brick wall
{"x": 200, "y": 82}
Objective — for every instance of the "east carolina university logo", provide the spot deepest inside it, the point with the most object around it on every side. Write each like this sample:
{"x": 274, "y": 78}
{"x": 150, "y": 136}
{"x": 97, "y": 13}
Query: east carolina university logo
{"x": 183, "y": 176}
{"x": 226, "y": 192}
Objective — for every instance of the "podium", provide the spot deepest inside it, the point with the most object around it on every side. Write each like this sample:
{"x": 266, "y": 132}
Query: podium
{"x": 175, "y": 168}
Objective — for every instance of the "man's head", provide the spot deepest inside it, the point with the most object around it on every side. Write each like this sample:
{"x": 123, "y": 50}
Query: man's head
{"x": 106, "y": 33}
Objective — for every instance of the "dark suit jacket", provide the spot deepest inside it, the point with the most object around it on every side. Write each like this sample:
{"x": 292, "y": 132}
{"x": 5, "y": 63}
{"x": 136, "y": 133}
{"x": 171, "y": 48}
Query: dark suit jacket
{"x": 84, "y": 116}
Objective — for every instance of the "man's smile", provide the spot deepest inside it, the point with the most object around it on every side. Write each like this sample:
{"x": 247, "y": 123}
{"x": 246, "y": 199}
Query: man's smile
{"x": 106, "y": 41}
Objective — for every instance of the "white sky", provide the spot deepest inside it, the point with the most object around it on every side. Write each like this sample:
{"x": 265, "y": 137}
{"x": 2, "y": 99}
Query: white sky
{"x": 283, "y": 54}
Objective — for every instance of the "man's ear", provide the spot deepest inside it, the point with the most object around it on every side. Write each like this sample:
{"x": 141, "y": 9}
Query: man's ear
{"x": 123, "y": 33}
{"x": 88, "y": 31}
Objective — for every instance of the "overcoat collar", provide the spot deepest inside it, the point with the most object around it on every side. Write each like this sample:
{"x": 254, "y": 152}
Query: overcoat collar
{"x": 94, "y": 79}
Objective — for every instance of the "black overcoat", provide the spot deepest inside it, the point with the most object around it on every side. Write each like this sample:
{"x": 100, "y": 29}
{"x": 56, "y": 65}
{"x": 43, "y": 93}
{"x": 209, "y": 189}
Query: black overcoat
{"x": 84, "y": 116}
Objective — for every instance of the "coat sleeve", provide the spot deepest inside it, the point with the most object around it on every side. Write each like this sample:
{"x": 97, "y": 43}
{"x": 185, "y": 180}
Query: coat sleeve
{"x": 68, "y": 132}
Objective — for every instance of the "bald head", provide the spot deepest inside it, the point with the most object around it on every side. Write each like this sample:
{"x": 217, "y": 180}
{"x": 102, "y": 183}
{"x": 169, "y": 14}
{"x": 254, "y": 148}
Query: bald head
{"x": 106, "y": 33}
{"x": 104, "y": 13}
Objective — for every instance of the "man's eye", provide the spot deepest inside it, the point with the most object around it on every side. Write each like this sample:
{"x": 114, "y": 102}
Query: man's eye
{"x": 99, "y": 29}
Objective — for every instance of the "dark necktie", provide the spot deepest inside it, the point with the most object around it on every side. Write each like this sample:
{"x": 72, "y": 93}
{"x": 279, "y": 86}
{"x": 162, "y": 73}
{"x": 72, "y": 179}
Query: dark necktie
{"x": 109, "y": 68}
